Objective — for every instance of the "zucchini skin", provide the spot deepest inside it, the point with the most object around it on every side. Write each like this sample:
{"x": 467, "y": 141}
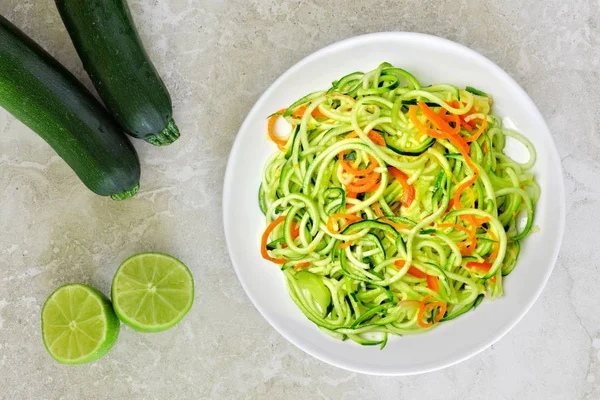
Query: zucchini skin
{"x": 112, "y": 53}
{"x": 45, "y": 96}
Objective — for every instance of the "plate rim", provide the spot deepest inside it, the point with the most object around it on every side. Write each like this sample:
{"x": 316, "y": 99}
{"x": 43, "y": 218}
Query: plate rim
{"x": 561, "y": 221}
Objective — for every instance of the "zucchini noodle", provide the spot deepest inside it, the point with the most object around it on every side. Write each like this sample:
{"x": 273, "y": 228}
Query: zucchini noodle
{"x": 391, "y": 206}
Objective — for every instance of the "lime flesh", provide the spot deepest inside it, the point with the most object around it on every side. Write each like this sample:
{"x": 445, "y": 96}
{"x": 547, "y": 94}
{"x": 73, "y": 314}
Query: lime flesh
{"x": 152, "y": 292}
{"x": 78, "y": 324}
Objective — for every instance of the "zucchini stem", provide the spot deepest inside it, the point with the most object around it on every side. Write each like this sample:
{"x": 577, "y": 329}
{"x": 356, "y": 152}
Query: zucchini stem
{"x": 166, "y": 136}
{"x": 126, "y": 194}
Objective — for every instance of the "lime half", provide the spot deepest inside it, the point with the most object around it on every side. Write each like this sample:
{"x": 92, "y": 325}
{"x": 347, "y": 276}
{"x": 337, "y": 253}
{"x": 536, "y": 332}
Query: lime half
{"x": 78, "y": 324}
{"x": 152, "y": 292}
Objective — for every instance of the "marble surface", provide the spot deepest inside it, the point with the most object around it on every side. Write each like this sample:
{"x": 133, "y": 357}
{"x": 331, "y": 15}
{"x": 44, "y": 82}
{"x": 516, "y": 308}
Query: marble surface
{"x": 217, "y": 57}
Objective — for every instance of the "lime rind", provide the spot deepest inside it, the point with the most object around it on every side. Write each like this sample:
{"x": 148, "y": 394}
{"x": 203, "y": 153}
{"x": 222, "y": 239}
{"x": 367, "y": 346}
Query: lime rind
{"x": 97, "y": 326}
{"x": 152, "y": 292}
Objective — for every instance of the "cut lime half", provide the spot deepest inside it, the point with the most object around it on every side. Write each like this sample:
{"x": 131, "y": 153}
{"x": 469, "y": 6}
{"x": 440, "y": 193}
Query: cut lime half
{"x": 78, "y": 324}
{"x": 152, "y": 292}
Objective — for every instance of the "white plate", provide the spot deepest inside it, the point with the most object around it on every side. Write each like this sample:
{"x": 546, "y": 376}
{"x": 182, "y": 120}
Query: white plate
{"x": 431, "y": 60}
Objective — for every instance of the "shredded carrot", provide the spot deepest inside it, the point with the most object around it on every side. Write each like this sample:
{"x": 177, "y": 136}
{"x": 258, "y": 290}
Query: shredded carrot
{"x": 425, "y": 306}
{"x": 434, "y": 118}
{"x": 271, "y": 129}
{"x": 472, "y": 234}
{"x": 461, "y": 188}
{"x": 345, "y": 244}
{"x": 265, "y": 239}
{"x": 318, "y": 114}
{"x": 412, "y": 114}
{"x": 300, "y": 111}
{"x": 483, "y": 266}
{"x": 369, "y": 185}
{"x": 417, "y": 273}
{"x": 408, "y": 191}
{"x": 480, "y": 221}
{"x": 301, "y": 265}
{"x": 373, "y": 135}
{"x": 493, "y": 279}
{"x": 350, "y": 218}
{"x": 446, "y": 132}
{"x": 479, "y": 131}
{"x": 467, "y": 127}
{"x": 450, "y": 205}
{"x": 347, "y": 166}
{"x": 451, "y": 119}
{"x": 368, "y": 180}
{"x": 377, "y": 138}
{"x": 433, "y": 283}
{"x": 295, "y": 231}
{"x": 496, "y": 247}
{"x": 377, "y": 209}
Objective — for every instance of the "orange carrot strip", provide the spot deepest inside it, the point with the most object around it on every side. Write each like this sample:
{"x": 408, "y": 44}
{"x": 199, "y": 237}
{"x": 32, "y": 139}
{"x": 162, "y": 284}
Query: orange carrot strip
{"x": 483, "y": 266}
{"x": 366, "y": 180}
{"x": 467, "y": 127}
{"x": 433, "y": 283}
{"x": 265, "y": 239}
{"x": 479, "y": 131}
{"x": 300, "y": 111}
{"x": 496, "y": 247}
{"x": 357, "y": 171}
{"x": 408, "y": 191}
{"x": 369, "y": 186}
{"x": 318, "y": 114}
{"x": 377, "y": 209}
{"x": 412, "y": 114}
{"x": 461, "y": 188}
{"x": 434, "y": 118}
{"x": 373, "y": 135}
{"x": 295, "y": 231}
{"x": 377, "y": 138}
{"x": 473, "y": 239}
{"x": 450, "y": 205}
{"x": 424, "y": 307}
{"x": 271, "y": 126}
{"x": 345, "y": 244}
{"x": 417, "y": 273}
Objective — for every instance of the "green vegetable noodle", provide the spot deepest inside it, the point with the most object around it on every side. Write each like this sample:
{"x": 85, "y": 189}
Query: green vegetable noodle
{"x": 392, "y": 206}
{"x": 42, "y": 94}
{"x": 112, "y": 53}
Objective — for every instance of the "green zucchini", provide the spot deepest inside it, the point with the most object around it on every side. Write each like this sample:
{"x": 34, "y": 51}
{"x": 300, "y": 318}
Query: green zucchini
{"x": 393, "y": 143}
{"x": 113, "y": 56}
{"x": 42, "y": 94}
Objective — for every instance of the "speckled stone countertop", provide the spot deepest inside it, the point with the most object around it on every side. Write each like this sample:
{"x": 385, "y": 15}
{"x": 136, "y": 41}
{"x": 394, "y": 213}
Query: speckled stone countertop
{"x": 216, "y": 58}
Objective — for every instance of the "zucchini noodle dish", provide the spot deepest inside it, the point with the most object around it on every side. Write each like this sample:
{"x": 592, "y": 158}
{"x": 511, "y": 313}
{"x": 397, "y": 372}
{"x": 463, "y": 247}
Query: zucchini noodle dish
{"x": 391, "y": 206}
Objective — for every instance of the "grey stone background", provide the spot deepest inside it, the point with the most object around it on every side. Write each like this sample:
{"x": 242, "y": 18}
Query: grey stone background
{"x": 217, "y": 57}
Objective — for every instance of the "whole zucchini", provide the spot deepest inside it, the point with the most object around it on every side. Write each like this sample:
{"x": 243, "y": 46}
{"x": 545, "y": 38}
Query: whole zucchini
{"x": 40, "y": 92}
{"x": 112, "y": 54}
